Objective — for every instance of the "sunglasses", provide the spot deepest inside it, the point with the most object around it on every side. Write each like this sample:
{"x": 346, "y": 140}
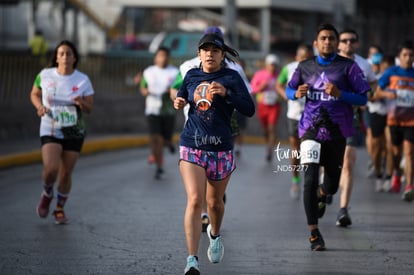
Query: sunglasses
{"x": 352, "y": 40}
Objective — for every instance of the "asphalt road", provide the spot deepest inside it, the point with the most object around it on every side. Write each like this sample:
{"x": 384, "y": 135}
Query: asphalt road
{"x": 123, "y": 221}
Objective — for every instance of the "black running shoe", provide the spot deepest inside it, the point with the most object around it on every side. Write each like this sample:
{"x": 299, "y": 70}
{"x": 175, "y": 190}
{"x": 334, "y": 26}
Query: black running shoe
{"x": 269, "y": 158}
{"x": 158, "y": 173}
{"x": 321, "y": 209}
{"x": 171, "y": 148}
{"x": 205, "y": 221}
{"x": 321, "y": 206}
{"x": 316, "y": 241}
{"x": 343, "y": 218}
{"x": 329, "y": 199}
{"x": 323, "y": 200}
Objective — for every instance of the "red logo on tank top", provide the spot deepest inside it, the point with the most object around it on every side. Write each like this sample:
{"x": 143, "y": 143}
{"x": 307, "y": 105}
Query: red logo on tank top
{"x": 75, "y": 89}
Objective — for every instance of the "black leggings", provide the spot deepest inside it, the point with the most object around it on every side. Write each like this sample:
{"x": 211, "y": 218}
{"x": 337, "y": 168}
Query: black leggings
{"x": 332, "y": 156}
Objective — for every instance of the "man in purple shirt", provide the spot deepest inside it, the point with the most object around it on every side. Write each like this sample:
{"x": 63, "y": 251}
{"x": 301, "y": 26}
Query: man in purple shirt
{"x": 331, "y": 85}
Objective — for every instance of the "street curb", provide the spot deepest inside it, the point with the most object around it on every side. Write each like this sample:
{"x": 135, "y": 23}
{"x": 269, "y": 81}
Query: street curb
{"x": 96, "y": 145}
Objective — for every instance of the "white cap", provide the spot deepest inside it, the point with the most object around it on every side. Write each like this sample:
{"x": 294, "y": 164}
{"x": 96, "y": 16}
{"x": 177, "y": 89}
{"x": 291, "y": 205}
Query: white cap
{"x": 272, "y": 59}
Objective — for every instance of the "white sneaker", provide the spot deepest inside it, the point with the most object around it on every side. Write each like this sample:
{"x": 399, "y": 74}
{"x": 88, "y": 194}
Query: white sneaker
{"x": 379, "y": 185}
{"x": 386, "y": 186}
{"x": 215, "y": 251}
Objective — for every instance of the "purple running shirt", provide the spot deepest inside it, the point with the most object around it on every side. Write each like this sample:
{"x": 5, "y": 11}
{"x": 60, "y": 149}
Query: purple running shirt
{"x": 326, "y": 117}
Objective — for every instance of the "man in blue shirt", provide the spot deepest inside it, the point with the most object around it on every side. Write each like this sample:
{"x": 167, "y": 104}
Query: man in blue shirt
{"x": 397, "y": 86}
{"x": 331, "y": 85}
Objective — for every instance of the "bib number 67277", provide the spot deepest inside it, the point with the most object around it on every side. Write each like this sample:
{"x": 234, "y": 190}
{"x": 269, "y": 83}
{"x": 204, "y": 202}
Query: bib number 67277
{"x": 310, "y": 152}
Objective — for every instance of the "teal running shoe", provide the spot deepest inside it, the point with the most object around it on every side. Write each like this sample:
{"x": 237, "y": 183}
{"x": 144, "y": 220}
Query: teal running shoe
{"x": 215, "y": 251}
{"x": 192, "y": 266}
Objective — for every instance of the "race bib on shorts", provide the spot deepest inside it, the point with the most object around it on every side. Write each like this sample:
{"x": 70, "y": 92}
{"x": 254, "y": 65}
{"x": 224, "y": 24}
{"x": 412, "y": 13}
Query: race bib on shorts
{"x": 154, "y": 101}
{"x": 405, "y": 98}
{"x": 64, "y": 116}
{"x": 310, "y": 151}
{"x": 269, "y": 97}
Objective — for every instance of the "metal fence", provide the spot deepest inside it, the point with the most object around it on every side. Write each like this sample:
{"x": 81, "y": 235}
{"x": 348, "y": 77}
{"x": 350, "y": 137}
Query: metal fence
{"x": 109, "y": 75}
{"x": 116, "y": 94}
{"x": 118, "y": 108}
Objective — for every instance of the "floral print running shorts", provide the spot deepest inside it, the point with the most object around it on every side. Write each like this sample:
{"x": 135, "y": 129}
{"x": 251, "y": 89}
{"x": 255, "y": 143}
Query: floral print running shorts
{"x": 218, "y": 165}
